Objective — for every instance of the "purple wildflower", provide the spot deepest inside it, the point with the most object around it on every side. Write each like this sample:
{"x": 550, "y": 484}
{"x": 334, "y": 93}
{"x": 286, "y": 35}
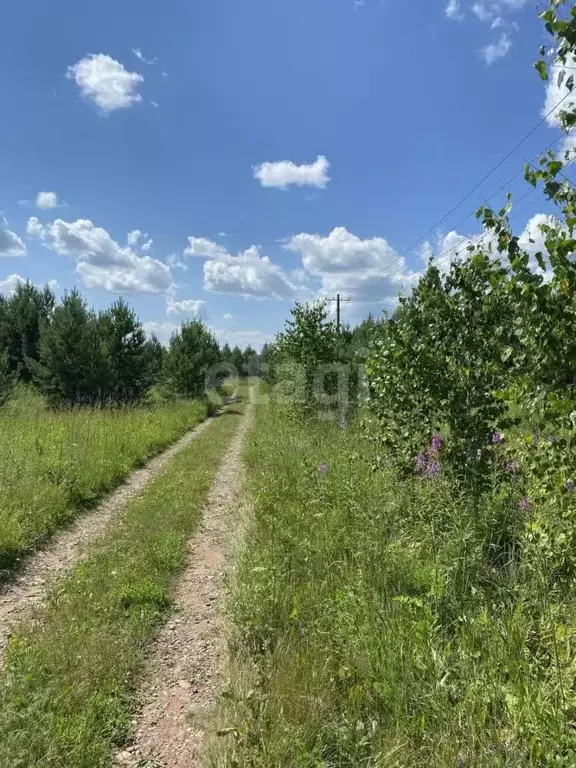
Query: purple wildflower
{"x": 323, "y": 468}
{"x": 421, "y": 462}
{"x": 524, "y": 504}
{"x": 570, "y": 485}
{"x": 435, "y": 445}
{"x": 497, "y": 438}
{"x": 433, "y": 469}
{"x": 513, "y": 466}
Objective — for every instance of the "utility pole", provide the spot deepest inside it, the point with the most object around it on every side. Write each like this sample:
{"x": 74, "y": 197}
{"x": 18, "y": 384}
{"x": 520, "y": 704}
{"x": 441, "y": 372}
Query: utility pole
{"x": 338, "y": 299}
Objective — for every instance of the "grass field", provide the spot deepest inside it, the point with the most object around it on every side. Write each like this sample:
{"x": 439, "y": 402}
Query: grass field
{"x": 374, "y": 623}
{"x": 66, "y": 696}
{"x": 53, "y": 464}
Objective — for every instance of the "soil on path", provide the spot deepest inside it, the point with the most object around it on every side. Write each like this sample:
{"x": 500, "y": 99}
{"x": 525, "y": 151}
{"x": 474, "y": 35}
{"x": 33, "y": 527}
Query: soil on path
{"x": 31, "y": 583}
{"x": 185, "y": 670}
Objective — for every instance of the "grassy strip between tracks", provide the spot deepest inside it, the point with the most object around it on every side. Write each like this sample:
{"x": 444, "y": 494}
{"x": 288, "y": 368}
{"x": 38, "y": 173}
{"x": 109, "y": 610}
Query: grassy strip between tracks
{"x": 66, "y": 694}
{"x": 53, "y": 464}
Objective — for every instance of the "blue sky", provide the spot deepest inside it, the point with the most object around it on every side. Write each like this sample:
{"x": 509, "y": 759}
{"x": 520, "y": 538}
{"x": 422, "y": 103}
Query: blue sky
{"x": 266, "y": 151}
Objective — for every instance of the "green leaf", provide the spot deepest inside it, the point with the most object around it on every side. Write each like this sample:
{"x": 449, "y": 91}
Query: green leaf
{"x": 542, "y": 69}
{"x": 554, "y": 167}
{"x": 540, "y": 259}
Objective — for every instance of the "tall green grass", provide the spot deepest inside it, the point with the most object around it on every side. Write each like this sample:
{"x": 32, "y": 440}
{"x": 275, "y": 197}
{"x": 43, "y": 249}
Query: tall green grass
{"x": 67, "y": 691}
{"x": 54, "y": 463}
{"x": 387, "y": 622}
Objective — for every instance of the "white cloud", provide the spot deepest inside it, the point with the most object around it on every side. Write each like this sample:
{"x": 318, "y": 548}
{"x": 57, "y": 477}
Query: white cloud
{"x": 228, "y": 316}
{"x": 557, "y": 94}
{"x": 154, "y": 104}
{"x": 481, "y": 12}
{"x": 133, "y": 237}
{"x": 341, "y": 251}
{"x": 46, "y": 200}
{"x": 100, "y": 261}
{"x": 452, "y": 246}
{"x": 35, "y": 229}
{"x": 497, "y": 23}
{"x": 54, "y": 285}
{"x": 192, "y": 308}
{"x": 255, "y": 339}
{"x": 249, "y": 275}
{"x": 557, "y": 90}
{"x": 366, "y": 287}
{"x": 174, "y": 261}
{"x": 533, "y": 239}
{"x": 162, "y": 330}
{"x": 9, "y": 285}
{"x": 285, "y": 173}
{"x": 140, "y": 56}
{"x": 452, "y": 10}
{"x": 202, "y": 246}
{"x": 105, "y": 81}
{"x": 368, "y": 270}
{"x": 10, "y": 243}
{"x": 497, "y": 50}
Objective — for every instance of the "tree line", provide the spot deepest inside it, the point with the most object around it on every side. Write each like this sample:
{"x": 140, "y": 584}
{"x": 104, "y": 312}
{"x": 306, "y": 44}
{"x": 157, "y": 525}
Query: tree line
{"x": 75, "y": 355}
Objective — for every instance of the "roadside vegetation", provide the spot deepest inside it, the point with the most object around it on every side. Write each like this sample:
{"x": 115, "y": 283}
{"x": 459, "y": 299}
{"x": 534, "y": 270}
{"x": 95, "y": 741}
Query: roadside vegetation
{"x": 381, "y": 620}
{"x": 67, "y": 690}
{"x": 53, "y": 464}
{"x": 85, "y": 397}
{"x": 405, "y": 596}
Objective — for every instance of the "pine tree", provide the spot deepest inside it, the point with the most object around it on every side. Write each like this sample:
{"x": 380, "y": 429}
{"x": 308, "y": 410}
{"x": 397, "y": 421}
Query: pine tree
{"x": 226, "y": 354}
{"x": 251, "y": 365}
{"x": 73, "y": 362}
{"x": 155, "y": 359}
{"x": 22, "y": 317}
{"x": 125, "y": 343}
{"x": 192, "y": 351}
{"x": 237, "y": 360}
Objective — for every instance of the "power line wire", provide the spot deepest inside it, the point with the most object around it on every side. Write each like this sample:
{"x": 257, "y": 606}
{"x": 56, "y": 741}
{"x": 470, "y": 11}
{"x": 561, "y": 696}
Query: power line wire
{"x": 473, "y": 212}
{"x": 452, "y": 250}
{"x": 482, "y": 180}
